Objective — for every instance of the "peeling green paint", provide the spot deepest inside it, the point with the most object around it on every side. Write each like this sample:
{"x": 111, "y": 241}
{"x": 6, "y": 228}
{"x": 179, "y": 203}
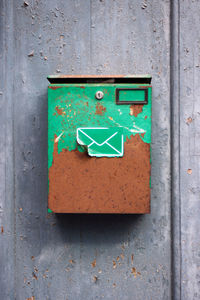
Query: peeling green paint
{"x": 74, "y": 105}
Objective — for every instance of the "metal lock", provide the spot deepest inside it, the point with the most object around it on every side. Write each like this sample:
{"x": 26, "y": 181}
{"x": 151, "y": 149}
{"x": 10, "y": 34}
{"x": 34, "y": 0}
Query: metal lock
{"x": 99, "y": 95}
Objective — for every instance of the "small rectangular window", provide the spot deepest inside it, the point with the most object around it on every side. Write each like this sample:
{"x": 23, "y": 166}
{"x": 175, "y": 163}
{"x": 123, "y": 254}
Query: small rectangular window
{"x": 132, "y": 96}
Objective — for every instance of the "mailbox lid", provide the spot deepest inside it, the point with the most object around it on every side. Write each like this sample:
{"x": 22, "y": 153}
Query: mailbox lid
{"x": 81, "y": 184}
{"x": 146, "y": 78}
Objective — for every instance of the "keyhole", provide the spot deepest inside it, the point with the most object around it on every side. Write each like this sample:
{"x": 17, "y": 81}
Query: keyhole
{"x": 99, "y": 95}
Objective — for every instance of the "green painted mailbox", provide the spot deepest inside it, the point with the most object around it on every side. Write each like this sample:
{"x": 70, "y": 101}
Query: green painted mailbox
{"x": 99, "y": 135}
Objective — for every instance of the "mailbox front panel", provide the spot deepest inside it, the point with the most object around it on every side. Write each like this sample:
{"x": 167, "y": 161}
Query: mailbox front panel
{"x": 119, "y": 123}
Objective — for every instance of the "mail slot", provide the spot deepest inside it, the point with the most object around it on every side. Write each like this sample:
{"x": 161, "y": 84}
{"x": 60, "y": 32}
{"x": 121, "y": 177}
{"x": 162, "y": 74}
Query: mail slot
{"x": 99, "y": 139}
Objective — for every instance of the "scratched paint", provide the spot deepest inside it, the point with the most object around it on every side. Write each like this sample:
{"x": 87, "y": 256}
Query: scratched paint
{"x": 71, "y": 106}
{"x": 73, "y": 184}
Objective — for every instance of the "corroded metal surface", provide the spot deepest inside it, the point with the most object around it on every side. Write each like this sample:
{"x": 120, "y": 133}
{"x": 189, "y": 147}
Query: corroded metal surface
{"x": 79, "y": 183}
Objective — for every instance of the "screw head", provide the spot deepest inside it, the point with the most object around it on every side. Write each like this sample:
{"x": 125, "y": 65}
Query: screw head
{"x": 99, "y": 95}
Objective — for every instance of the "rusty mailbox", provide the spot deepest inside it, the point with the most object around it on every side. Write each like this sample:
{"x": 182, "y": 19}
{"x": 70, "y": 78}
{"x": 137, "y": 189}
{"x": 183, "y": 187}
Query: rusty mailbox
{"x": 99, "y": 135}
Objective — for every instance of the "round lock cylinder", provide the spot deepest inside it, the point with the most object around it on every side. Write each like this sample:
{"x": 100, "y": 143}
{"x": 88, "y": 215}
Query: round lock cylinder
{"x": 99, "y": 95}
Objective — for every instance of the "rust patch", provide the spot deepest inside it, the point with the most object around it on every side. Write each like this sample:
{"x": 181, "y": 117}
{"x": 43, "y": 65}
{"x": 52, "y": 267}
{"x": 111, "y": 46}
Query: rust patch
{"x": 135, "y": 109}
{"x": 2, "y": 229}
{"x": 71, "y": 261}
{"x": 100, "y": 109}
{"x": 59, "y": 110}
{"x": 81, "y": 184}
{"x": 135, "y": 272}
{"x": 54, "y": 87}
{"x": 132, "y": 257}
{"x": 114, "y": 264}
{"x": 142, "y": 134}
{"x": 93, "y": 264}
{"x": 189, "y": 120}
{"x": 34, "y": 276}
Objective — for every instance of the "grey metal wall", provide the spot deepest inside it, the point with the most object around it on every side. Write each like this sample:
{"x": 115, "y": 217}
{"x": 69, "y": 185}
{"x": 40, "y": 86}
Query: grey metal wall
{"x": 72, "y": 257}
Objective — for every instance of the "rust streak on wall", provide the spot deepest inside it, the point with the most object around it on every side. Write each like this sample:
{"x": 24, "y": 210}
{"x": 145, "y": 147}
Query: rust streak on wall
{"x": 81, "y": 184}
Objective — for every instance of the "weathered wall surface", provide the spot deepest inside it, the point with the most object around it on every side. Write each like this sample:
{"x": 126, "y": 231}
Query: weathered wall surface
{"x": 189, "y": 149}
{"x": 86, "y": 256}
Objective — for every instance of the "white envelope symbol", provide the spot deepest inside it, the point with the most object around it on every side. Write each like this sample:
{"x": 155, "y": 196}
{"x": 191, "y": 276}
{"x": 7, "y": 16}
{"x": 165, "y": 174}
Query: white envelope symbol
{"x": 101, "y": 141}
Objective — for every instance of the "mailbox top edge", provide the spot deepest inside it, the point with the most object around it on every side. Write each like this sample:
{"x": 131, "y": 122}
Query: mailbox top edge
{"x": 145, "y": 78}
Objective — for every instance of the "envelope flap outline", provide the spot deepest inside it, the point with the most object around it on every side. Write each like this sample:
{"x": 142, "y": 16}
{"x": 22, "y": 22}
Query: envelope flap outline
{"x": 101, "y": 141}
{"x": 99, "y": 135}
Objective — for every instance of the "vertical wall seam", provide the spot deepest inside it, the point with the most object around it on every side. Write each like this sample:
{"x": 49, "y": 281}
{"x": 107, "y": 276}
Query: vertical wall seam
{"x": 90, "y": 31}
{"x": 171, "y": 146}
{"x": 11, "y": 21}
{"x": 175, "y": 149}
{"x": 7, "y": 70}
{"x": 179, "y": 135}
